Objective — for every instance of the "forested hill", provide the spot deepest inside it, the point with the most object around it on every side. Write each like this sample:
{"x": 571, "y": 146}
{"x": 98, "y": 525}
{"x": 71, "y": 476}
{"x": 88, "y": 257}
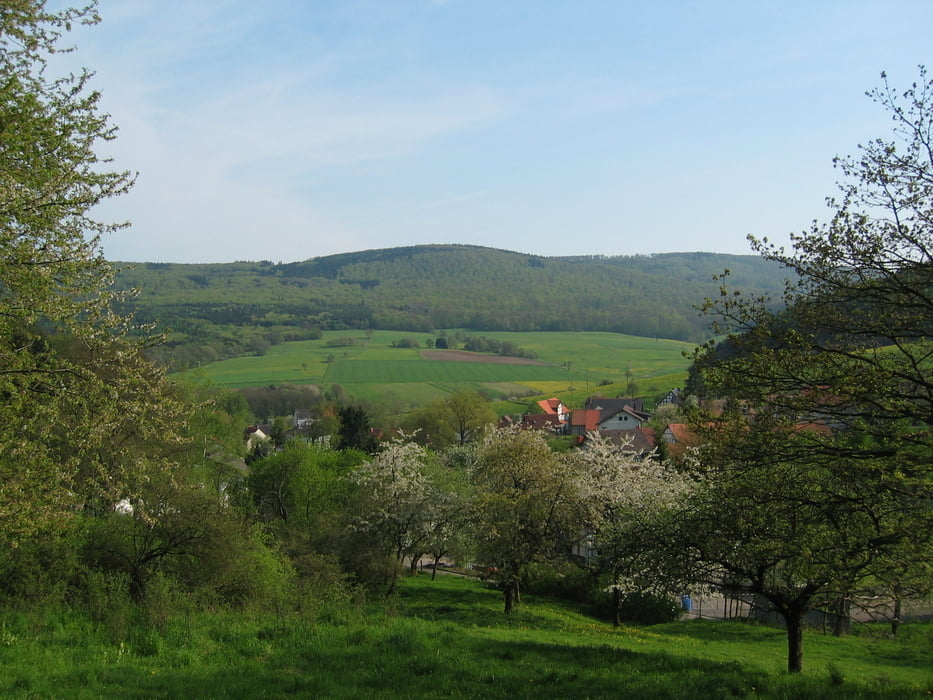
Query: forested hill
{"x": 428, "y": 287}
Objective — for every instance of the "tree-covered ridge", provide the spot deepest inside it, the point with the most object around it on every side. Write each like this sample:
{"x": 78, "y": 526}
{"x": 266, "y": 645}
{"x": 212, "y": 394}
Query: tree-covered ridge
{"x": 421, "y": 288}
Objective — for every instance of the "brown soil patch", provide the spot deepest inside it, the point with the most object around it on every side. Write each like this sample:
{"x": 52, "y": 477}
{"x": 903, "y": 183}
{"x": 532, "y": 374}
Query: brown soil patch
{"x": 464, "y": 356}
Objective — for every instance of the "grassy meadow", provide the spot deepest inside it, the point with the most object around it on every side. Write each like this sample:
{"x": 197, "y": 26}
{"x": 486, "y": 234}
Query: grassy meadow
{"x": 569, "y": 365}
{"x": 443, "y": 638}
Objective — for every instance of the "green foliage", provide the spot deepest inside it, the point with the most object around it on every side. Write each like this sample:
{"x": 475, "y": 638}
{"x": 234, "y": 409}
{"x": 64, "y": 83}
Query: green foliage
{"x": 562, "y": 580}
{"x": 527, "y": 507}
{"x": 647, "y": 609}
{"x": 818, "y": 482}
{"x": 39, "y": 571}
{"x": 82, "y": 415}
{"x": 305, "y": 496}
{"x": 304, "y": 484}
{"x": 355, "y": 431}
{"x": 456, "y": 420}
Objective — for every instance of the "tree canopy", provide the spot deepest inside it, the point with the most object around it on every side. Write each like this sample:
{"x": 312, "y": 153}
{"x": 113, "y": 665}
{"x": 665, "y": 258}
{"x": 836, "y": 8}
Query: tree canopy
{"x": 65, "y": 367}
{"x": 817, "y": 480}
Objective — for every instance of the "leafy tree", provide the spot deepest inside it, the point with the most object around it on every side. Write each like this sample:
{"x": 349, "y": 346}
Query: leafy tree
{"x": 85, "y": 421}
{"x": 624, "y": 498}
{"x": 824, "y": 486}
{"x": 303, "y": 486}
{"x": 527, "y": 506}
{"x": 798, "y": 532}
{"x": 403, "y": 501}
{"x": 456, "y": 420}
{"x": 305, "y": 497}
{"x": 467, "y": 415}
{"x": 53, "y": 279}
{"x": 97, "y": 449}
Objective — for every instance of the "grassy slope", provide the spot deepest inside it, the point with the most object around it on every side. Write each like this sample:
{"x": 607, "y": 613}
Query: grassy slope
{"x": 446, "y": 638}
{"x": 372, "y": 367}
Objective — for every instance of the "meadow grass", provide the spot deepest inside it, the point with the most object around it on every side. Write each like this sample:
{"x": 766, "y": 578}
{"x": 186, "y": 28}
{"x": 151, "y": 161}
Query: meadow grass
{"x": 443, "y": 638}
{"x": 572, "y": 366}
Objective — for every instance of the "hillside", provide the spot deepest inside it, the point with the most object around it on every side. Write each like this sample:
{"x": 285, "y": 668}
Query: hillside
{"x": 423, "y": 288}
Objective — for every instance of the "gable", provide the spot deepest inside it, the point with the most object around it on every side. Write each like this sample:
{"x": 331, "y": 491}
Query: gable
{"x": 623, "y": 419}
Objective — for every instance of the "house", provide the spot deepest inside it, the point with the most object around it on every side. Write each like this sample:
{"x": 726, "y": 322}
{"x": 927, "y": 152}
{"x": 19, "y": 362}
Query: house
{"x": 542, "y": 421}
{"x": 583, "y": 421}
{"x": 255, "y": 434}
{"x": 625, "y": 418}
{"x": 677, "y": 434}
{"x": 302, "y": 418}
{"x": 639, "y": 441}
{"x": 672, "y": 397}
{"x": 679, "y": 439}
{"x": 555, "y": 407}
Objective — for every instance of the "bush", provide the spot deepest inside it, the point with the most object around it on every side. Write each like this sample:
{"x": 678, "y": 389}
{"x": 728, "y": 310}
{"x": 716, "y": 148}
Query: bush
{"x": 107, "y": 602}
{"x": 647, "y": 608}
{"x": 566, "y": 581}
{"x": 40, "y": 568}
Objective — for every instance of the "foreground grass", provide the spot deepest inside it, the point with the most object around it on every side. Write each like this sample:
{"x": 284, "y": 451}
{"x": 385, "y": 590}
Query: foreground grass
{"x": 446, "y": 638}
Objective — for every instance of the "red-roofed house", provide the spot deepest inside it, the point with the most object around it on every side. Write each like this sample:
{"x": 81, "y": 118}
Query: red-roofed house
{"x": 542, "y": 421}
{"x": 583, "y": 421}
{"x": 678, "y": 434}
{"x": 555, "y": 407}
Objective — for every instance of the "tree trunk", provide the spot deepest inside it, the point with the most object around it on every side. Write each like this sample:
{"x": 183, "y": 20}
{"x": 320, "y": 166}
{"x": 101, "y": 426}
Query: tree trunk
{"x": 616, "y": 607}
{"x": 794, "y": 622}
{"x": 896, "y": 620}
{"x": 841, "y": 621}
{"x": 510, "y": 589}
{"x": 437, "y": 558}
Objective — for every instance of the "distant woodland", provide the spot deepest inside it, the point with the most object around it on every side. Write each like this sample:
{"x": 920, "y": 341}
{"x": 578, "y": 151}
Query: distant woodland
{"x": 213, "y": 311}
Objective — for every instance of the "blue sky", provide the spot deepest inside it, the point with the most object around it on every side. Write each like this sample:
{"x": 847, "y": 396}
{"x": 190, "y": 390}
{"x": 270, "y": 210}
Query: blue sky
{"x": 285, "y": 130}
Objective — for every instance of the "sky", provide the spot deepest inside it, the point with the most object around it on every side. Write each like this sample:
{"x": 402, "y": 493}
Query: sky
{"x": 285, "y": 130}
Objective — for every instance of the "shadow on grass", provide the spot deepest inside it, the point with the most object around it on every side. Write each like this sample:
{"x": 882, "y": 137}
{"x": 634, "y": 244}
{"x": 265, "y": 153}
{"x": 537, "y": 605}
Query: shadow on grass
{"x": 475, "y": 667}
{"x": 720, "y": 631}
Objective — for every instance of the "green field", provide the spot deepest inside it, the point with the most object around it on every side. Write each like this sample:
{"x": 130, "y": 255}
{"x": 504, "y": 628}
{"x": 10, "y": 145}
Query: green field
{"x": 442, "y": 639}
{"x": 571, "y": 365}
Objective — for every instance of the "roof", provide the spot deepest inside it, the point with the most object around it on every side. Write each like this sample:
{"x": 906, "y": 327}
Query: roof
{"x": 541, "y": 421}
{"x": 680, "y": 432}
{"x": 550, "y": 406}
{"x": 632, "y": 439}
{"x": 613, "y": 406}
{"x": 588, "y": 419}
{"x": 626, "y": 409}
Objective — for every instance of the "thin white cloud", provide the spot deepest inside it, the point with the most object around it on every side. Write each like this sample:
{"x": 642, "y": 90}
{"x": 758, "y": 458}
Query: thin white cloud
{"x": 229, "y": 162}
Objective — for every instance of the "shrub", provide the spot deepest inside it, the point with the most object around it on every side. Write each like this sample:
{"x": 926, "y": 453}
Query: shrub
{"x": 647, "y": 608}
{"x": 565, "y": 580}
